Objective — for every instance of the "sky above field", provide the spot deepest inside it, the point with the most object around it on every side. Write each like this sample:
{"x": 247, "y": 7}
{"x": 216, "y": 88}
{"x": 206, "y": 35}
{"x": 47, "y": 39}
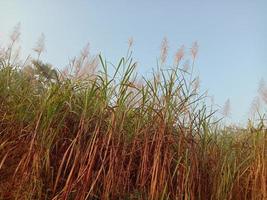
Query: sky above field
{"x": 231, "y": 35}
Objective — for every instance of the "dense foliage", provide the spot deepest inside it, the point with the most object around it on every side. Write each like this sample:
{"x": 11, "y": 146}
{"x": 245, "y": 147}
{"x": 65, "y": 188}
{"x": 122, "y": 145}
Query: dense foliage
{"x": 108, "y": 134}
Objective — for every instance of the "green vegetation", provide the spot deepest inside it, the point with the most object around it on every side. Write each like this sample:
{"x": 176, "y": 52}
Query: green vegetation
{"x": 104, "y": 133}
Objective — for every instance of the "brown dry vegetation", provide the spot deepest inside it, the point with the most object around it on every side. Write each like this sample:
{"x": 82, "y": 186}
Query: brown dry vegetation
{"x": 104, "y": 135}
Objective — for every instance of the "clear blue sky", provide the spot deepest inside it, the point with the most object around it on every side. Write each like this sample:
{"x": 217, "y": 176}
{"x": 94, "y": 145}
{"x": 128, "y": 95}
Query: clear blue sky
{"x": 232, "y": 35}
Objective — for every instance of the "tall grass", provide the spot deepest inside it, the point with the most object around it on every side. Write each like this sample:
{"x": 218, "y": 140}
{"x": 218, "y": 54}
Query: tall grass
{"x": 106, "y": 135}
